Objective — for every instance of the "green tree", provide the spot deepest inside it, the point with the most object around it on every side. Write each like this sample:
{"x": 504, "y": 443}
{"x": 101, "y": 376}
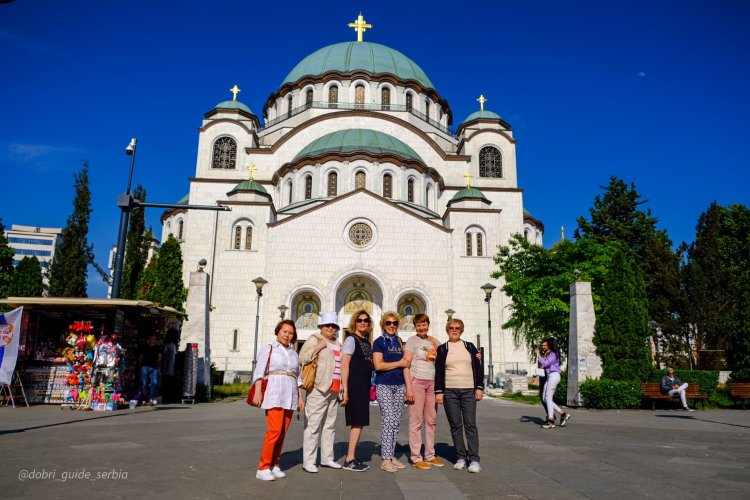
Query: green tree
{"x": 136, "y": 248}
{"x": 168, "y": 288}
{"x": 6, "y": 263}
{"x": 622, "y": 328}
{"x": 68, "y": 270}
{"x": 617, "y": 216}
{"x": 538, "y": 280}
{"x": 27, "y": 279}
{"x": 146, "y": 280}
{"x": 717, "y": 282}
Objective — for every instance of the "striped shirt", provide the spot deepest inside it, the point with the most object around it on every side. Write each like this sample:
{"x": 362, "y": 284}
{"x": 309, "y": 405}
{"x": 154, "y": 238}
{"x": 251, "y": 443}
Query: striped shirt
{"x": 336, "y": 382}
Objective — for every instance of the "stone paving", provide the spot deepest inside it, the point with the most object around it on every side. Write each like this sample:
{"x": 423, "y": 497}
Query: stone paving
{"x": 211, "y": 451}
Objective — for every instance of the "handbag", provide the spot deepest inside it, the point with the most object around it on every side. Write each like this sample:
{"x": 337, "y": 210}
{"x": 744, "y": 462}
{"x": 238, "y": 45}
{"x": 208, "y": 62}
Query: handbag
{"x": 263, "y": 384}
{"x": 308, "y": 374}
{"x": 540, "y": 372}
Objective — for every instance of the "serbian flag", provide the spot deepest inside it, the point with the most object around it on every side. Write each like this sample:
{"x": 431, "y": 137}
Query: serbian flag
{"x": 10, "y": 331}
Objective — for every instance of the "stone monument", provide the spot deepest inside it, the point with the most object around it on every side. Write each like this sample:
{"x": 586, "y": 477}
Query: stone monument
{"x": 196, "y": 328}
{"x": 583, "y": 362}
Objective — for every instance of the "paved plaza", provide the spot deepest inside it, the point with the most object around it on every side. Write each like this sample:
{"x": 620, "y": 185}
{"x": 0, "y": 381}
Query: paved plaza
{"x": 212, "y": 450}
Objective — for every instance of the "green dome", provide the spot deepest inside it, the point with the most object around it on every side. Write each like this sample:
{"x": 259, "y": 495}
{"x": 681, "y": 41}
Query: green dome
{"x": 184, "y": 200}
{"x": 248, "y": 185}
{"x": 234, "y": 105}
{"x": 469, "y": 193}
{"x": 347, "y": 57}
{"x": 358, "y": 139}
{"x": 482, "y": 114}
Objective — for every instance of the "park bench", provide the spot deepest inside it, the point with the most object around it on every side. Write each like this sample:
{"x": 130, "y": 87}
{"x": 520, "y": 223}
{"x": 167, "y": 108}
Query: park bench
{"x": 653, "y": 392}
{"x": 740, "y": 390}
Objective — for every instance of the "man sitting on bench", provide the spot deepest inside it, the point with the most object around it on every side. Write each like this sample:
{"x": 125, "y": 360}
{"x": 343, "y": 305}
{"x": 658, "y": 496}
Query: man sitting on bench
{"x": 672, "y": 386}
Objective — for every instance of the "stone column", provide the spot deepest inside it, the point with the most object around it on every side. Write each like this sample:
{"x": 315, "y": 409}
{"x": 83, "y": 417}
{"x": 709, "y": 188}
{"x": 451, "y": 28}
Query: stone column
{"x": 583, "y": 362}
{"x": 196, "y": 329}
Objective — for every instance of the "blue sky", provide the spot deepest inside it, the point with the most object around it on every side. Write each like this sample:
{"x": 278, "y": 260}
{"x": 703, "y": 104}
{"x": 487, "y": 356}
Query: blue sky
{"x": 655, "y": 93}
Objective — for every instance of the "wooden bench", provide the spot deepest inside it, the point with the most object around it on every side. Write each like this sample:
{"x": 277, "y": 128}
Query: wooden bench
{"x": 740, "y": 390}
{"x": 653, "y": 392}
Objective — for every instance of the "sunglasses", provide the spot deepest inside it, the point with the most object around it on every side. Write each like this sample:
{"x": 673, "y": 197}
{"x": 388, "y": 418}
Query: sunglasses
{"x": 363, "y": 320}
{"x": 330, "y": 326}
{"x": 454, "y": 328}
{"x": 390, "y": 323}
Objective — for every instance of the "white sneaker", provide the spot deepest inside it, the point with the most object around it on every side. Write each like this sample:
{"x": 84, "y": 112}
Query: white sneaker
{"x": 278, "y": 473}
{"x": 331, "y": 464}
{"x": 265, "y": 475}
{"x": 310, "y": 468}
{"x": 475, "y": 467}
{"x": 460, "y": 464}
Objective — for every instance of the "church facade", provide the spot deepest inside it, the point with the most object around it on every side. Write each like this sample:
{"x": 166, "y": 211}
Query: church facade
{"x": 353, "y": 193}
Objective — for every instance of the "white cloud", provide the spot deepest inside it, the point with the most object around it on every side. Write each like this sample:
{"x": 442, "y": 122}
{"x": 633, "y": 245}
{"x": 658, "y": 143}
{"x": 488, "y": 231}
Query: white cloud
{"x": 40, "y": 156}
{"x": 642, "y": 74}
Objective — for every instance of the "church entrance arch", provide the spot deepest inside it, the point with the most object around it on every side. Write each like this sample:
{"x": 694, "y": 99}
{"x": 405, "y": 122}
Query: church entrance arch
{"x": 359, "y": 292}
{"x": 409, "y": 305}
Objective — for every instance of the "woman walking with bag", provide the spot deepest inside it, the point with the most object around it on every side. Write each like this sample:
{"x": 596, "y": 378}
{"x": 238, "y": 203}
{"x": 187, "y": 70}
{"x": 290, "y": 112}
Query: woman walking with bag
{"x": 322, "y": 402}
{"x": 279, "y": 363}
{"x": 549, "y": 360}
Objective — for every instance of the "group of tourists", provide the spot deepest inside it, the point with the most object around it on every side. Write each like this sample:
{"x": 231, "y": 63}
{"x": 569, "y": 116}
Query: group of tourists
{"x": 421, "y": 373}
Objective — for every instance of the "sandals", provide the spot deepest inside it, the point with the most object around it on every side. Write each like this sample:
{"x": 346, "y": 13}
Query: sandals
{"x": 388, "y": 466}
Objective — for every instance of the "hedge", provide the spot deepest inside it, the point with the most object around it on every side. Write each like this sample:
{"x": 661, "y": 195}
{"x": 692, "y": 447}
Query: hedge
{"x": 603, "y": 394}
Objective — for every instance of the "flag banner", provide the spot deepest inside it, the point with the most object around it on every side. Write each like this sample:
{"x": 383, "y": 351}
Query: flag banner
{"x": 10, "y": 333}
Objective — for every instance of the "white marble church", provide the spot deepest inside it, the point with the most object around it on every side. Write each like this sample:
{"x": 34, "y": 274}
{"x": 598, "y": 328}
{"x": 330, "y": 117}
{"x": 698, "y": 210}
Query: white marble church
{"x": 354, "y": 193}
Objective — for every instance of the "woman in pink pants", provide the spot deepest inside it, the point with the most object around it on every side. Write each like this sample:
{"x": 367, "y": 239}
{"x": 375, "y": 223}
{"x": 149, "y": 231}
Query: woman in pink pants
{"x": 420, "y": 351}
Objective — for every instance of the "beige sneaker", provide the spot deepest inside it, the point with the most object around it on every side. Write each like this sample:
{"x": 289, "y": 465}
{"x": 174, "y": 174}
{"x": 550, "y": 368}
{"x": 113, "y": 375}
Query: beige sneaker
{"x": 397, "y": 463}
{"x": 388, "y": 466}
{"x": 435, "y": 462}
{"x": 422, "y": 465}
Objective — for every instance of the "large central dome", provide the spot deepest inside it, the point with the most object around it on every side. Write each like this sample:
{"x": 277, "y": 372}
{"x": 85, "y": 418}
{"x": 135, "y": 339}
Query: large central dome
{"x": 347, "y": 57}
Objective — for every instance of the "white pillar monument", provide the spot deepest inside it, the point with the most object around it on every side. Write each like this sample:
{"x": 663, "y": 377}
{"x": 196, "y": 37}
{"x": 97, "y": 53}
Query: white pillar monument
{"x": 583, "y": 362}
{"x": 196, "y": 329}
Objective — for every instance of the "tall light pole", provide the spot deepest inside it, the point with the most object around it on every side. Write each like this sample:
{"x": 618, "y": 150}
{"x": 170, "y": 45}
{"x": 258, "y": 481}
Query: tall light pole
{"x": 282, "y": 311}
{"x": 259, "y": 283}
{"x": 488, "y": 288}
{"x": 450, "y": 313}
{"x": 124, "y": 201}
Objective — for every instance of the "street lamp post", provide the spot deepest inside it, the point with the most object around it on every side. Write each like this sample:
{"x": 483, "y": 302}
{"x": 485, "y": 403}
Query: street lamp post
{"x": 450, "y": 313}
{"x": 282, "y": 311}
{"x": 124, "y": 202}
{"x": 259, "y": 283}
{"x": 488, "y": 288}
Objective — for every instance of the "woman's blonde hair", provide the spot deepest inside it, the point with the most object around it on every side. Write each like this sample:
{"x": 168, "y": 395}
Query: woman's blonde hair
{"x": 353, "y": 322}
{"x": 454, "y": 320}
{"x": 386, "y": 315}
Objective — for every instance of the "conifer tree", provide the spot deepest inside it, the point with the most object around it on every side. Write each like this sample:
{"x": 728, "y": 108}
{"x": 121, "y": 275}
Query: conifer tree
{"x": 6, "y": 263}
{"x": 27, "y": 279}
{"x": 622, "y": 328}
{"x": 136, "y": 248}
{"x": 68, "y": 270}
{"x": 168, "y": 288}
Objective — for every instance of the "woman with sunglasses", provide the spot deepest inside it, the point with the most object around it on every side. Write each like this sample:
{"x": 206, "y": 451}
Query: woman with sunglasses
{"x": 459, "y": 384}
{"x": 356, "y": 367}
{"x": 391, "y": 384}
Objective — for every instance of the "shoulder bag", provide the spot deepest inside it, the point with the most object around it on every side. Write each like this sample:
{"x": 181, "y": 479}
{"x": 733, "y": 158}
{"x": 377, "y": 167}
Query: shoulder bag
{"x": 263, "y": 384}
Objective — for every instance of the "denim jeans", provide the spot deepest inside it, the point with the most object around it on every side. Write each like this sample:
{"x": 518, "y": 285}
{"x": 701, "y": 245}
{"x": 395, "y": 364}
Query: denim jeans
{"x": 461, "y": 410}
{"x": 152, "y": 374}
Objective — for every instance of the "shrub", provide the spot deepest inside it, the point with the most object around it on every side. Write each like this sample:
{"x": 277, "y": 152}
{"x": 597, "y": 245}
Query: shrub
{"x": 741, "y": 375}
{"x": 561, "y": 391}
{"x": 707, "y": 380}
{"x": 721, "y": 399}
{"x": 604, "y": 394}
{"x": 231, "y": 390}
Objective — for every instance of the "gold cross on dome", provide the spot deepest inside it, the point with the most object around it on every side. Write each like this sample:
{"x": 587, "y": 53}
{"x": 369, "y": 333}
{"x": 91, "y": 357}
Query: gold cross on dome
{"x": 468, "y": 177}
{"x": 360, "y": 26}
{"x": 252, "y": 170}
{"x": 481, "y": 100}
{"x": 235, "y": 90}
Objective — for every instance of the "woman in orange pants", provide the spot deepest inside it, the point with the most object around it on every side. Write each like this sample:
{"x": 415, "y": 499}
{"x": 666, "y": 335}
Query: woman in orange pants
{"x": 283, "y": 394}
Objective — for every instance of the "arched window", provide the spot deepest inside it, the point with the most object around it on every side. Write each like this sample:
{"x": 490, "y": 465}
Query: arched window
{"x": 359, "y": 96}
{"x": 249, "y": 238}
{"x": 237, "y": 238}
{"x": 490, "y": 162}
{"x": 427, "y": 109}
{"x": 333, "y": 96}
{"x": 308, "y": 187}
{"x": 468, "y": 244}
{"x": 225, "y": 153}
{"x": 410, "y": 190}
{"x": 427, "y": 197}
{"x": 242, "y": 228}
{"x": 309, "y": 99}
{"x": 179, "y": 229}
{"x": 409, "y": 101}
{"x": 387, "y": 186}
{"x": 290, "y": 187}
{"x": 289, "y": 106}
{"x": 360, "y": 180}
{"x": 333, "y": 181}
{"x": 475, "y": 242}
{"x": 480, "y": 248}
{"x": 385, "y": 98}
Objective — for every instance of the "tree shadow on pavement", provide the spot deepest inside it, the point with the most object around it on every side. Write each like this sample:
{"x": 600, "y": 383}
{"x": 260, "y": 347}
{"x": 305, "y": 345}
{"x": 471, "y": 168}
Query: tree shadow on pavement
{"x": 690, "y": 417}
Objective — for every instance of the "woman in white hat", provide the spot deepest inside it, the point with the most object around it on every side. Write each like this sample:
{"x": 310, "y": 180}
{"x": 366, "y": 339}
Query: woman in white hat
{"x": 322, "y": 403}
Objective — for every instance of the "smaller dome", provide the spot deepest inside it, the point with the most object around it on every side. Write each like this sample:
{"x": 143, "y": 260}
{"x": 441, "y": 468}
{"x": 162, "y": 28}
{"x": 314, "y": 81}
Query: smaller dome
{"x": 234, "y": 105}
{"x": 356, "y": 140}
{"x": 482, "y": 114}
{"x": 469, "y": 193}
{"x": 248, "y": 185}
{"x": 184, "y": 200}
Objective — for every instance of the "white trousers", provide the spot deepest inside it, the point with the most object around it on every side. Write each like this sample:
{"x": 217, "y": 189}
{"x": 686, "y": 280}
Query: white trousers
{"x": 321, "y": 409}
{"x": 681, "y": 392}
{"x": 553, "y": 378}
